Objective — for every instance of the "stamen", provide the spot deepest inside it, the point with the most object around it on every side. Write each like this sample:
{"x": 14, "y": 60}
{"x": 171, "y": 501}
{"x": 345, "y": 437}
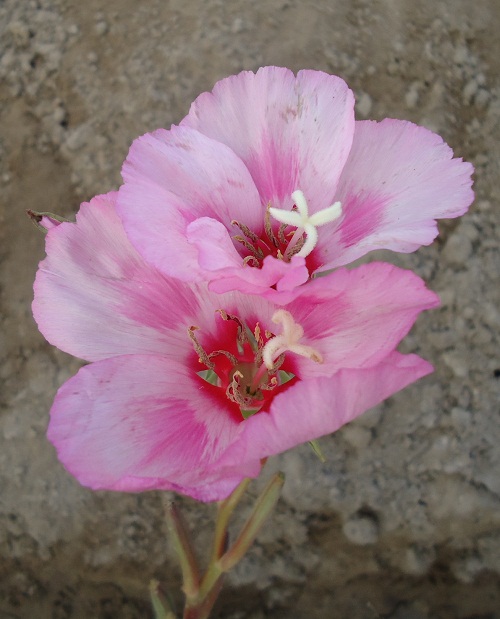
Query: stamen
{"x": 288, "y": 341}
{"x": 251, "y": 259}
{"x": 246, "y": 231}
{"x": 256, "y": 251}
{"x": 281, "y": 233}
{"x": 258, "y": 335}
{"x": 277, "y": 364}
{"x": 292, "y": 250}
{"x": 304, "y": 223}
{"x": 203, "y": 357}
{"x": 242, "y": 336}
{"x": 233, "y": 390}
{"x": 247, "y": 382}
{"x": 268, "y": 227}
{"x": 227, "y": 354}
{"x": 273, "y": 383}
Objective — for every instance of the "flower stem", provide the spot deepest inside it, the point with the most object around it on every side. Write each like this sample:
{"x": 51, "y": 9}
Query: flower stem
{"x": 201, "y": 595}
{"x": 201, "y": 607}
{"x": 162, "y": 606}
{"x": 224, "y": 511}
{"x": 262, "y": 508}
{"x": 182, "y": 543}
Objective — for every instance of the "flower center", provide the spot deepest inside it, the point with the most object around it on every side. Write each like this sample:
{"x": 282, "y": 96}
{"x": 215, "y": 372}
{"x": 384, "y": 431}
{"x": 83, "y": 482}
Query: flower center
{"x": 256, "y": 366}
{"x": 286, "y": 242}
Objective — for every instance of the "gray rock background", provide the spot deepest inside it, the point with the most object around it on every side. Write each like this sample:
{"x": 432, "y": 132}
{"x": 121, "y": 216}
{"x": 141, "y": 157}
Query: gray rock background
{"x": 403, "y": 520}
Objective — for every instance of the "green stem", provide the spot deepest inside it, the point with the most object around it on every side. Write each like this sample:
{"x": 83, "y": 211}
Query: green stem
{"x": 262, "y": 508}
{"x": 201, "y": 609}
{"x": 224, "y": 511}
{"x": 212, "y": 576}
{"x": 182, "y": 543}
{"x": 162, "y": 606}
{"x": 201, "y": 596}
{"x": 245, "y": 539}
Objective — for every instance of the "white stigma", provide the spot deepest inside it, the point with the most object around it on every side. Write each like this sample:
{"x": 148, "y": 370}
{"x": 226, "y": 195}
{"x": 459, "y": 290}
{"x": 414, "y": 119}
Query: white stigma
{"x": 301, "y": 219}
{"x": 288, "y": 341}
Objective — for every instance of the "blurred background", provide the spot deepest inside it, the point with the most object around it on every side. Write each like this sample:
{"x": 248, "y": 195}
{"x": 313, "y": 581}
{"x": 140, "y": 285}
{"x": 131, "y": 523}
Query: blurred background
{"x": 402, "y": 521}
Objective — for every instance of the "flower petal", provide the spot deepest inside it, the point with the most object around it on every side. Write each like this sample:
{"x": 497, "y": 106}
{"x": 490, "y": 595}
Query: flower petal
{"x": 171, "y": 179}
{"x": 95, "y": 297}
{"x": 140, "y": 422}
{"x": 354, "y": 318}
{"x": 398, "y": 180}
{"x": 310, "y": 409}
{"x": 291, "y": 132}
{"x": 215, "y": 247}
{"x": 224, "y": 268}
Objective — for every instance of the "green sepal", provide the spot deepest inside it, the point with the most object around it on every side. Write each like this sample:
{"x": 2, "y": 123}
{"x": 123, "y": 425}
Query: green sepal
{"x": 37, "y": 216}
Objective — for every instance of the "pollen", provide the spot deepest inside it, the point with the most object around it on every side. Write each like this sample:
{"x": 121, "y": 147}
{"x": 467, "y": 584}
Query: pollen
{"x": 287, "y": 341}
{"x": 304, "y": 222}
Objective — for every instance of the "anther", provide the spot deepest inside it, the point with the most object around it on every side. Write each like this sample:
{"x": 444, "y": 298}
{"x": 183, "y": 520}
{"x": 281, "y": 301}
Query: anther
{"x": 270, "y": 385}
{"x": 258, "y": 335}
{"x": 294, "y": 250}
{"x": 253, "y": 260}
{"x": 281, "y": 233}
{"x": 203, "y": 357}
{"x": 246, "y": 231}
{"x": 256, "y": 251}
{"x": 233, "y": 390}
{"x": 268, "y": 227}
{"x": 242, "y": 336}
{"x": 277, "y": 364}
{"x": 227, "y": 354}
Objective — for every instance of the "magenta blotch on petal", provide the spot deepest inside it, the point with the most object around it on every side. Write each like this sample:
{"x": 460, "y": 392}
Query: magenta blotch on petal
{"x": 292, "y": 132}
{"x": 399, "y": 178}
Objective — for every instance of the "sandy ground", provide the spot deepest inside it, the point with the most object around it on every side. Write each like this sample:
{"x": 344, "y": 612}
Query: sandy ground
{"x": 403, "y": 520}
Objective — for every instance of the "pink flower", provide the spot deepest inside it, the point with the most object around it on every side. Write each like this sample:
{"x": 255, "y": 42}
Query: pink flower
{"x": 269, "y": 180}
{"x": 187, "y": 389}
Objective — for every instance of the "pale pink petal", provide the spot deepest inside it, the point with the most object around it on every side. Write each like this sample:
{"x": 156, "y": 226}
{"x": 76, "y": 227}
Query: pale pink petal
{"x": 310, "y": 409}
{"x": 224, "y": 267}
{"x": 215, "y": 247}
{"x": 291, "y": 132}
{"x": 95, "y": 297}
{"x": 354, "y": 318}
{"x": 139, "y": 422}
{"x": 49, "y": 222}
{"x": 399, "y": 178}
{"x": 171, "y": 179}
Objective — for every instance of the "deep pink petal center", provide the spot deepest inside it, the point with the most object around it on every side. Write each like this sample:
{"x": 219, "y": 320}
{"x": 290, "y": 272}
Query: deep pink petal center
{"x": 231, "y": 360}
